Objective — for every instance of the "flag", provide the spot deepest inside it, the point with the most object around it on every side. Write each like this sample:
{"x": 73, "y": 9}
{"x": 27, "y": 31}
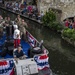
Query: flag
{"x": 7, "y": 67}
{"x": 31, "y": 40}
{"x": 42, "y": 61}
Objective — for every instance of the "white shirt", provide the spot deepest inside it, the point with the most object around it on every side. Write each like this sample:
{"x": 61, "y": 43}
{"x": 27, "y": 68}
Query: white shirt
{"x": 16, "y": 32}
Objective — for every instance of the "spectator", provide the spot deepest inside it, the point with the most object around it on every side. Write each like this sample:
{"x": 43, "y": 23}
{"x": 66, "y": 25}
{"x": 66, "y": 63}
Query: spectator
{"x": 71, "y": 25}
{"x": 24, "y": 11}
{"x": 67, "y": 23}
{"x": 74, "y": 24}
{"x": 25, "y": 3}
{"x": 14, "y": 8}
{"x": 17, "y": 4}
{"x": 30, "y": 14}
{"x": 7, "y": 5}
{"x": 29, "y": 8}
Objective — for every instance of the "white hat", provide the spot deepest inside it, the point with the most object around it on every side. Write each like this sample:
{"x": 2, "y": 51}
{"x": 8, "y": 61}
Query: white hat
{"x": 15, "y": 26}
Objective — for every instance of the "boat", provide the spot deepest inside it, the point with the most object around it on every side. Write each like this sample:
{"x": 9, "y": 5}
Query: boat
{"x": 33, "y": 64}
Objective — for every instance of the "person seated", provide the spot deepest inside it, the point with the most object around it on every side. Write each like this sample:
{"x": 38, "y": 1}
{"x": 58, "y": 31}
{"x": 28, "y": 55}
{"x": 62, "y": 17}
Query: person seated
{"x": 19, "y": 53}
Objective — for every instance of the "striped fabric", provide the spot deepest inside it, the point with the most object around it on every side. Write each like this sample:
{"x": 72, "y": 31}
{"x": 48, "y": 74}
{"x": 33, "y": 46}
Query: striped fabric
{"x": 42, "y": 61}
{"x": 6, "y": 67}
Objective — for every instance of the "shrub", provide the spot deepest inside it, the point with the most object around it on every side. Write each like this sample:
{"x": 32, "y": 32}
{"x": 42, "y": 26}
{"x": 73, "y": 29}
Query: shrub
{"x": 48, "y": 18}
{"x": 69, "y": 33}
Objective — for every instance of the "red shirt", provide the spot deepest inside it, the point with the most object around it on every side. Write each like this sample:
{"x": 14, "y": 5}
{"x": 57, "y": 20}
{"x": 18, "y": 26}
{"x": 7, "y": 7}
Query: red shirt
{"x": 67, "y": 23}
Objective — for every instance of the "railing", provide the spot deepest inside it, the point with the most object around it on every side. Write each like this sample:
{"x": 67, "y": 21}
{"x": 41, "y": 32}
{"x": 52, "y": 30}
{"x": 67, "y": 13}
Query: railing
{"x": 36, "y": 42}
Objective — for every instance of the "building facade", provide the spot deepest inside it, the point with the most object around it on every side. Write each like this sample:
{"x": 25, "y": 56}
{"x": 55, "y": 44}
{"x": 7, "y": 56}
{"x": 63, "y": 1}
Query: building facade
{"x": 66, "y": 6}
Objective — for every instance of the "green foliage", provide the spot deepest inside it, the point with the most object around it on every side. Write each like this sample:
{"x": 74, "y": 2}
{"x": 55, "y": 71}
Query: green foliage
{"x": 69, "y": 33}
{"x": 73, "y": 36}
{"x": 56, "y": 26}
{"x": 49, "y": 20}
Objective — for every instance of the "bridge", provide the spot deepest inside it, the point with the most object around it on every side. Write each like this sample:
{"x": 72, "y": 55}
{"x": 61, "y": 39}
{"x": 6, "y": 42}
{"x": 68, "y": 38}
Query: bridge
{"x": 66, "y": 6}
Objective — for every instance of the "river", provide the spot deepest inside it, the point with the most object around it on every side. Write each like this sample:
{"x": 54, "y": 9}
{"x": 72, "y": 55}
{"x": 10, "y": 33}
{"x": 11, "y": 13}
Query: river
{"x": 61, "y": 53}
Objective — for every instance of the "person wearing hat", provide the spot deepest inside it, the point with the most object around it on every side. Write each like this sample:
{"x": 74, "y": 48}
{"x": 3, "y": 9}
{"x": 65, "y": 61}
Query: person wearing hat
{"x": 16, "y": 36}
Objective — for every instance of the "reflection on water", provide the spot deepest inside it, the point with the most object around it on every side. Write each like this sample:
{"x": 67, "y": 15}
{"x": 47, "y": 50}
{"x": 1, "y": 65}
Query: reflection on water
{"x": 61, "y": 54}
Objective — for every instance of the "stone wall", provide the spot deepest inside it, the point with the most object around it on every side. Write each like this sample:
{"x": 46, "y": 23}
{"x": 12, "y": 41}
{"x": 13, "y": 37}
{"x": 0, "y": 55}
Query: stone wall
{"x": 66, "y": 6}
{"x": 68, "y": 11}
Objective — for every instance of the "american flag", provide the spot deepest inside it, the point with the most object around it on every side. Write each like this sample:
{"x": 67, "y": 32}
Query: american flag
{"x": 42, "y": 61}
{"x": 31, "y": 40}
{"x": 6, "y": 67}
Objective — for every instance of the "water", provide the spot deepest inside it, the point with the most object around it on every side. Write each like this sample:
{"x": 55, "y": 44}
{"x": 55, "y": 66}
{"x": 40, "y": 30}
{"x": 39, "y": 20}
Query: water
{"x": 61, "y": 53}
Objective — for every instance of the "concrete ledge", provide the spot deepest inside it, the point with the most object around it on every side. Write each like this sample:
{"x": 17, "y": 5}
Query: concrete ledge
{"x": 69, "y": 40}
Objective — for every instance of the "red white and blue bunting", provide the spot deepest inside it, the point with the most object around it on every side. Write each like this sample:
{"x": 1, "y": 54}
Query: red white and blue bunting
{"x": 6, "y": 67}
{"x": 42, "y": 61}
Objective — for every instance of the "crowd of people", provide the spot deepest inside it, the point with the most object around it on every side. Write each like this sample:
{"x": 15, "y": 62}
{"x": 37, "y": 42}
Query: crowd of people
{"x": 15, "y": 29}
{"x": 69, "y": 23}
{"x": 25, "y": 9}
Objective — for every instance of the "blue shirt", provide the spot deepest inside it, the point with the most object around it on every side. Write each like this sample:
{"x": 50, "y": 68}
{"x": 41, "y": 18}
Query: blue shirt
{"x": 19, "y": 54}
{"x": 70, "y": 27}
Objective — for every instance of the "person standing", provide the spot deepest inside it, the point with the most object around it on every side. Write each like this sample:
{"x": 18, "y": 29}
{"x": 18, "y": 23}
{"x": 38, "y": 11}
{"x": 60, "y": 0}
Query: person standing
{"x": 22, "y": 28}
{"x": 16, "y": 36}
{"x": 10, "y": 26}
{"x": 67, "y": 23}
{"x": 18, "y": 20}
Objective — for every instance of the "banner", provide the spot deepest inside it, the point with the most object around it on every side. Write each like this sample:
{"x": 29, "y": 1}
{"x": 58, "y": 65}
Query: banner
{"x": 6, "y": 67}
{"x": 42, "y": 61}
{"x": 31, "y": 40}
